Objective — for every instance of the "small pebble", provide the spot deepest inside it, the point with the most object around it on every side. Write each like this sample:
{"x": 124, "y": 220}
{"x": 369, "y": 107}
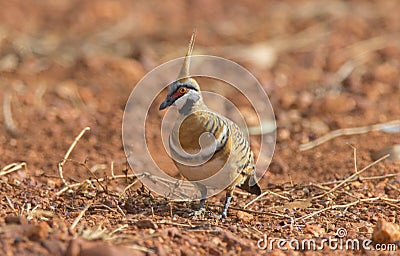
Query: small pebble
{"x": 338, "y": 103}
{"x": 244, "y": 216}
{"x": 385, "y": 232}
{"x": 393, "y": 150}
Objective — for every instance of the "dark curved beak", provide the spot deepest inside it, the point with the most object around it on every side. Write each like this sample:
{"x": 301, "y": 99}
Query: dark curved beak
{"x": 166, "y": 103}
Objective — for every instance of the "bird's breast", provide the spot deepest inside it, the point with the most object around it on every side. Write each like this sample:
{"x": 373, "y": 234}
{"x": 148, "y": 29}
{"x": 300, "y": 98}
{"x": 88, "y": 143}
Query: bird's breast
{"x": 193, "y": 147}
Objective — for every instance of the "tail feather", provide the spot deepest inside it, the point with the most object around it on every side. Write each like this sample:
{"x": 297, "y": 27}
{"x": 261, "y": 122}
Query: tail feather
{"x": 251, "y": 186}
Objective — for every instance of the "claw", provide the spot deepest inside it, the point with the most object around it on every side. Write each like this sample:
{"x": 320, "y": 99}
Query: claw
{"x": 200, "y": 212}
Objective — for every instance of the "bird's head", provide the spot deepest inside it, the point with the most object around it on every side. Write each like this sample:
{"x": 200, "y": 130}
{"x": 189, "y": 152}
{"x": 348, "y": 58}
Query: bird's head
{"x": 181, "y": 93}
{"x": 184, "y": 92}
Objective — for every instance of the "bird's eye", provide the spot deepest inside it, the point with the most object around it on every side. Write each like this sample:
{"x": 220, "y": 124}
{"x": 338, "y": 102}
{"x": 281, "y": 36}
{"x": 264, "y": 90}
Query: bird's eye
{"x": 182, "y": 90}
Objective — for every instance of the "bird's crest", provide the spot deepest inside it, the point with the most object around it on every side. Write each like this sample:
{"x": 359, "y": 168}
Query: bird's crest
{"x": 184, "y": 73}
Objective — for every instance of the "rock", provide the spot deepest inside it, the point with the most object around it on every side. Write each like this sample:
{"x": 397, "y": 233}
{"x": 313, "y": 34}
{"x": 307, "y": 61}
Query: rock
{"x": 376, "y": 90}
{"x": 78, "y": 247}
{"x": 213, "y": 251}
{"x": 287, "y": 99}
{"x": 386, "y": 73}
{"x": 234, "y": 242}
{"x": 15, "y": 220}
{"x": 363, "y": 229}
{"x": 244, "y": 216}
{"x": 385, "y": 232}
{"x": 314, "y": 230}
{"x": 338, "y": 103}
{"x": 9, "y": 62}
{"x": 304, "y": 99}
{"x": 160, "y": 251}
{"x": 316, "y": 126}
{"x": 172, "y": 232}
{"x": 283, "y": 134}
{"x": 146, "y": 224}
{"x": 55, "y": 247}
{"x": 393, "y": 150}
{"x": 36, "y": 232}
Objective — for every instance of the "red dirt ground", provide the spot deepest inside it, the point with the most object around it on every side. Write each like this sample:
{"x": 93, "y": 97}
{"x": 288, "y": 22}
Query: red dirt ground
{"x": 69, "y": 64}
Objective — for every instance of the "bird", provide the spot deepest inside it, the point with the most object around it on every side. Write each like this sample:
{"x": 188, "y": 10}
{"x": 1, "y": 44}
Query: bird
{"x": 207, "y": 148}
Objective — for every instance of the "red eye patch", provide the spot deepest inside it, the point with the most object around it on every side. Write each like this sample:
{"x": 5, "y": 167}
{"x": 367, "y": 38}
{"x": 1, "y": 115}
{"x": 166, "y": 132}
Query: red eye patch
{"x": 179, "y": 92}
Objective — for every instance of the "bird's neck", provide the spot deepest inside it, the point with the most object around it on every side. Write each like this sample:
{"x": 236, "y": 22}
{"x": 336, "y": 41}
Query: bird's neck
{"x": 192, "y": 106}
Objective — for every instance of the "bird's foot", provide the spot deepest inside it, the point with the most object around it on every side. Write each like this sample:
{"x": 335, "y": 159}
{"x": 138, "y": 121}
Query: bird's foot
{"x": 223, "y": 215}
{"x": 224, "y": 212}
{"x": 200, "y": 212}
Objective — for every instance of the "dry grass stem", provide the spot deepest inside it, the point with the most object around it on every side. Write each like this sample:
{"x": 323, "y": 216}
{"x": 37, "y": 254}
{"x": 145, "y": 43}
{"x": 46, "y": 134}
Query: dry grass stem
{"x": 112, "y": 169}
{"x": 362, "y": 48}
{"x": 129, "y": 186}
{"x": 141, "y": 248}
{"x": 76, "y": 221}
{"x": 66, "y": 156}
{"x": 351, "y": 177}
{"x": 354, "y": 157}
{"x": 9, "y": 123}
{"x": 12, "y": 168}
{"x": 119, "y": 229}
{"x": 120, "y": 210}
{"x": 390, "y": 175}
{"x": 385, "y": 127}
{"x": 262, "y": 195}
{"x": 254, "y": 212}
{"x": 175, "y": 224}
{"x": 11, "y": 205}
{"x": 334, "y": 207}
{"x": 256, "y": 199}
{"x": 393, "y": 187}
{"x": 78, "y": 184}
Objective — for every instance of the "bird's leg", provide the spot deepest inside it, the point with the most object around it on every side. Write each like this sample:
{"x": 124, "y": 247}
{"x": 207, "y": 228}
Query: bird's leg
{"x": 228, "y": 199}
{"x": 203, "y": 192}
{"x": 201, "y": 204}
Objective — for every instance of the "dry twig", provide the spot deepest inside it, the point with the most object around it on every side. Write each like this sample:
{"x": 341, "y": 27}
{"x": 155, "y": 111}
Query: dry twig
{"x": 76, "y": 221}
{"x": 78, "y": 184}
{"x": 12, "y": 168}
{"x": 61, "y": 164}
{"x": 393, "y": 126}
{"x": 390, "y": 175}
{"x": 9, "y": 123}
{"x": 334, "y": 207}
{"x": 262, "y": 195}
{"x": 351, "y": 177}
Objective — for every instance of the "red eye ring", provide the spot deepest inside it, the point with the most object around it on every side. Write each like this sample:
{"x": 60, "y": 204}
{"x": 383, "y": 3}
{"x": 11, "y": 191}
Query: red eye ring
{"x": 182, "y": 90}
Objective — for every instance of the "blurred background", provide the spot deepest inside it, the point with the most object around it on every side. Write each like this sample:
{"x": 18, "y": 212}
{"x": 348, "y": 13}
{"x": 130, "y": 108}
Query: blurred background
{"x": 68, "y": 64}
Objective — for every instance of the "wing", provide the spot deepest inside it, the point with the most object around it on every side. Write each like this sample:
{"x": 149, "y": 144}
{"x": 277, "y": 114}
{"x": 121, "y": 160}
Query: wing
{"x": 218, "y": 126}
{"x": 231, "y": 139}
